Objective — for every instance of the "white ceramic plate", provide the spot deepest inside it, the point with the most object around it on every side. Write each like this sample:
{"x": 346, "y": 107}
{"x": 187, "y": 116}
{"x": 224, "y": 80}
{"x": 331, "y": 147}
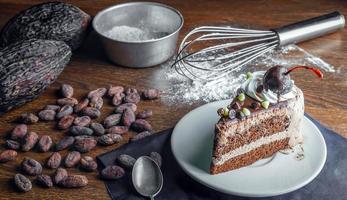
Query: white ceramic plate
{"x": 192, "y": 141}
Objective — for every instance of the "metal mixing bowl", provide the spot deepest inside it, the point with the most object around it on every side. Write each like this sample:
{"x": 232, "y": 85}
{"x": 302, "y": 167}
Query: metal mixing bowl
{"x": 152, "y": 16}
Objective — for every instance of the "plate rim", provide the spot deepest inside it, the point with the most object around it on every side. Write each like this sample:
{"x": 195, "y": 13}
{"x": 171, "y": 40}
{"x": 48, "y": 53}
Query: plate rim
{"x": 245, "y": 194}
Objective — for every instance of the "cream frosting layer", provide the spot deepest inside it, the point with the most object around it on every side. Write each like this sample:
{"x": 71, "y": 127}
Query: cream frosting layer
{"x": 251, "y": 84}
{"x": 249, "y": 147}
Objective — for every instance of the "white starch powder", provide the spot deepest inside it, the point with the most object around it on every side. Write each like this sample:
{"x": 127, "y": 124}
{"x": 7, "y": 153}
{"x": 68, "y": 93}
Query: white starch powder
{"x": 179, "y": 90}
{"x": 133, "y": 34}
{"x": 128, "y": 34}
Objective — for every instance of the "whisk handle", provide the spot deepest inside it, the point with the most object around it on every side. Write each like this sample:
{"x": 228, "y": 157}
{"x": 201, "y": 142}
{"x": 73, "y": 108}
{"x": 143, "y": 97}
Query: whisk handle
{"x": 310, "y": 28}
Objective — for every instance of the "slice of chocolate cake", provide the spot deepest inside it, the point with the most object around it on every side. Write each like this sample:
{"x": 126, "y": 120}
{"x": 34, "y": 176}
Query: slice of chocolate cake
{"x": 265, "y": 117}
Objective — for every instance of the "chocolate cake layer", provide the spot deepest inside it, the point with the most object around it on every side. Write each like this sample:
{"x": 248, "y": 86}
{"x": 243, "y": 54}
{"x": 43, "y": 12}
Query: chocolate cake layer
{"x": 266, "y": 127}
{"x": 246, "y": 159}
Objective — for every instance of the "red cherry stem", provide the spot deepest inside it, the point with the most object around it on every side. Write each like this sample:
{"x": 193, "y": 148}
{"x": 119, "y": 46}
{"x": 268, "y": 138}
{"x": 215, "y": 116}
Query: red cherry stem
{"x": 312, "y": 69}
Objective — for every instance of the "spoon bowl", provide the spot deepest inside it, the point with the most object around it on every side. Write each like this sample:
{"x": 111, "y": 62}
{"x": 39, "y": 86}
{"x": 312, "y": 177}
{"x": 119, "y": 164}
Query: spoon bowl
{"x": 147, "y": 177}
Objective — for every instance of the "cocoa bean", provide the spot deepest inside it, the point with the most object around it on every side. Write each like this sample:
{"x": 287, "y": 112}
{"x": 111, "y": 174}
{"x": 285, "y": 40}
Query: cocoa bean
{"x": 144, "y": 114}
{"x": 140, "y": 136}
{"x": 112, "y": 172}
{"x": 66, "y": 90}
{"x": 19, "y": 131}
{"x": 8, "y": 155}
{"x": 64, "y": 111}
{"x": 28, "y": 118}
{"x": 91, "y": 112}
{"x": 112, "y": 120}
{"x": 97, "y": 128}
{"x": 96, "y": 102}
{"x": 88, "y": 164}
{"x": 31, "y": 167}
{"x": 100, "y": 92}
{"x": 80, "y": 130}
{"x": 65, "y": 143}
{"x": 128, "y": 117}
{"x": 47, "y": 115}
{"x": 82, "y": 121}
{"x": 112, "y": 90}
{"x": 120, "y": 109}
{"x": 80, "y": 106}
{"x": 118, "y": 130}
{"x": 131, "y": 91}
{"x": 156, "y": 157}
{"x": 67, "y": 101}
{"x": 150, "y": 94}
{"x": 132, "y": 98}
{"x": 74, "y": 181}
{"x": 12, "y": 144}
{"x": 84, "y": 143}
{"x": 126, "y": 161}
{"x": 141, "y": 125}
{"x": 54, "y": 160}
{"x": 29, "y": 141}
{"x": 22, "y": 183}
{"x": 65, "y": 122}
{"x": 59, "y": 175}
{"x": 72, "y": 159}
{"x": 45, "y": 143}
{"x": 44, "y": 180}
{"x": 52, "y": 107}
{"x": 109, "y": 139}
{"x": 118, "y": 99}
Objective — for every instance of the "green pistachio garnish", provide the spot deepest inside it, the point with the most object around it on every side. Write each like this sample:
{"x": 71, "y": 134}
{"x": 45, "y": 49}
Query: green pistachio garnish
{"x": 246, "y": 112}
{"x": 226, "y": 112}
{"x": 241, "y": 97}
{"x": 249, "y": 75}
{"x": 265, "y": 104}
{"x": 223, "y": 112}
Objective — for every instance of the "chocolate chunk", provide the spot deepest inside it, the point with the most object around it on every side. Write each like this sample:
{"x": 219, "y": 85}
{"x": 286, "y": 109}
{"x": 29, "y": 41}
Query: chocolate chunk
{"x": 255, "y": 105}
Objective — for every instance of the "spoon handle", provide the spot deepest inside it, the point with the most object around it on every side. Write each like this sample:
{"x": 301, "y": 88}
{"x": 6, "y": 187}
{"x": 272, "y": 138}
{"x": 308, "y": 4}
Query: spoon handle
{"x": 152, "y": 197}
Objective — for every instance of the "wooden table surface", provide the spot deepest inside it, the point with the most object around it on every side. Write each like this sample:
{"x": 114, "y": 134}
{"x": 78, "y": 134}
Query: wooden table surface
{"x": 325, "y": 100}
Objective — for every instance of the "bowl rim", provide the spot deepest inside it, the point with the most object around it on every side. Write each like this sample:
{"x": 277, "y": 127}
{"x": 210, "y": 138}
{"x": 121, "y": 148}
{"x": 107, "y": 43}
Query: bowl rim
{"x": 97, "y": 16}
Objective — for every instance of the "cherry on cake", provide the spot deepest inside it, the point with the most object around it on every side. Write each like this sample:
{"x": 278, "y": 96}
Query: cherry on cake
{"x": 264, "y": 118}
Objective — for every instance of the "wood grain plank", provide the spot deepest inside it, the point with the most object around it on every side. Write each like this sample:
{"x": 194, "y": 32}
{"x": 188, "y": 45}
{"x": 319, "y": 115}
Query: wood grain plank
{"x": 325, "y": 100}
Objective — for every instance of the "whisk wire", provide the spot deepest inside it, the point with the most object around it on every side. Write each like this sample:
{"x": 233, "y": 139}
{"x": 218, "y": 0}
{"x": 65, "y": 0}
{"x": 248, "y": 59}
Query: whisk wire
{"x": 234, "y": 48}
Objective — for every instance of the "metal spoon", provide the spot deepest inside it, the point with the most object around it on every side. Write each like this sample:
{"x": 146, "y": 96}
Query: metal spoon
{"x": 147, "y": 177}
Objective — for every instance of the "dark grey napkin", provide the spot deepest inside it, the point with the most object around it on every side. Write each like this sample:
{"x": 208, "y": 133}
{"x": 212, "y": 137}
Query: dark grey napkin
{"x": 330, "y": 184}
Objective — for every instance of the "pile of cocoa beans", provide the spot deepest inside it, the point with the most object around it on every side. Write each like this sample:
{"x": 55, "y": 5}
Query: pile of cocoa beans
{"x": 84, "y": 135}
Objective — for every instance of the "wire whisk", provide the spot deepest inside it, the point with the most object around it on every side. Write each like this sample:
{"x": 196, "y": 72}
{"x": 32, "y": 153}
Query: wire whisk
{"x": 209, "y": 53}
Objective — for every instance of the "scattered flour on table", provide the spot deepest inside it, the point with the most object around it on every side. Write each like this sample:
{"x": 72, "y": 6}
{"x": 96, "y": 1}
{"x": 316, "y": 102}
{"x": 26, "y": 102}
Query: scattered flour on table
{"x": 177, "y": 90}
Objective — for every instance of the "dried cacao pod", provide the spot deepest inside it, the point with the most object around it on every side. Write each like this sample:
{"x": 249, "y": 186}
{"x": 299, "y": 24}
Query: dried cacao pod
{"x": 27, "y": 68}
{"x": 52, "y": 21}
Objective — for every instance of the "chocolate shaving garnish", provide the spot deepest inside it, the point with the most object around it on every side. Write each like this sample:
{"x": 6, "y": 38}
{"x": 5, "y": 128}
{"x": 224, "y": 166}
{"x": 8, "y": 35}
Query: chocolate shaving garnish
{"x": 240, "y": 115}
{"x": 255, "y": 105}
{"x": 260, "y": 89}
{"x": 236, "y": 105}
